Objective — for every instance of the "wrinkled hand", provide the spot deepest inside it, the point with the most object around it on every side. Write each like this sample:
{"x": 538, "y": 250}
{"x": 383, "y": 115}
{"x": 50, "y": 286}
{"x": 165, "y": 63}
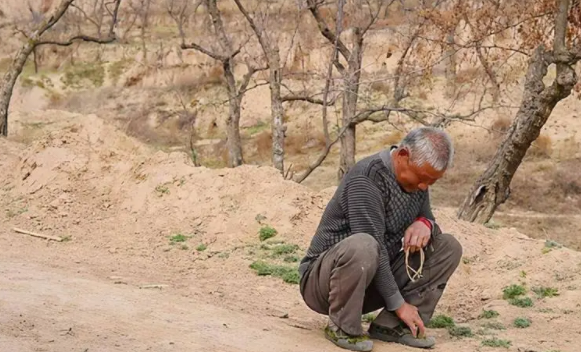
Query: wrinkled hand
{"x": 416, "y": 237}
{"x": 410, "y": 316}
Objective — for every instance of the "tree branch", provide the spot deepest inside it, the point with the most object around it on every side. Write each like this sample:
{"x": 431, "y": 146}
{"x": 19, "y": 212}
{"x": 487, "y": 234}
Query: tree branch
{"x": 71, "y": 40}
{"x": 204, "y": 51}
{"x": 111, "y": 37}
{"x": 559, "y": 46}
{"x": 246, "y": 79}
{"x": 262, "y": 39}
{"x": 327, "y": 33}
{"x": 309, "y": 99}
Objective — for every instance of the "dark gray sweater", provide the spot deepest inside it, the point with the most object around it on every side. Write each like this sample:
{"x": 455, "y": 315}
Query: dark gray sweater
{"x": 369, "y": 200}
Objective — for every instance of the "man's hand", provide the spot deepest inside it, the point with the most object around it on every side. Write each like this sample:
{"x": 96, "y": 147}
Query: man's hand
{"x": 416, "y": 236}
{"x": 410, "y": 316}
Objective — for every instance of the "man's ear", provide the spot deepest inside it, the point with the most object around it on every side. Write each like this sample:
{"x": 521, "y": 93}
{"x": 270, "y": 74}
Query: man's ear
{"x": 403, "y": 154}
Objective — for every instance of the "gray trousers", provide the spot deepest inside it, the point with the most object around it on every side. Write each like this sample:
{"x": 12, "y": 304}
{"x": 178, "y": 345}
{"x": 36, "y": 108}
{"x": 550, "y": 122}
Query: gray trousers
{"x": 339, "y": 283}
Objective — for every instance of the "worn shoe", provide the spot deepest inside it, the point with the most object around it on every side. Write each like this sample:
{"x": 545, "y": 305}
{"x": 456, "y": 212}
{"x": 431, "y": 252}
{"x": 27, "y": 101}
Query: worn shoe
{"x": 353, "y": 343}
{"x": 401, "y": 335}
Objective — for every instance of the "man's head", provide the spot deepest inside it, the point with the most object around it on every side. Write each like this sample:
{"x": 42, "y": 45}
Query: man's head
{"x": 422, "y": 158}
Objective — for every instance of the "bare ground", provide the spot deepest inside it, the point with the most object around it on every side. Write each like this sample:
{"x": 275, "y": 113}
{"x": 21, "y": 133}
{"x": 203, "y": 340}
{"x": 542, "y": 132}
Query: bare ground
{"x": 118, "y": 203}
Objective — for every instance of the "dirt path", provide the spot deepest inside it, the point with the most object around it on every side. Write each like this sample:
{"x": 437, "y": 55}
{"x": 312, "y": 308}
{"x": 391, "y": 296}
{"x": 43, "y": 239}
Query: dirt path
{"x": 43, "y": 309}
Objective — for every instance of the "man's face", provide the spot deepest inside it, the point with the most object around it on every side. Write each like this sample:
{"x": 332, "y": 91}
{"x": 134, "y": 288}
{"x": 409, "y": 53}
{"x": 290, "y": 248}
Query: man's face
{"x": 411, "y": 177}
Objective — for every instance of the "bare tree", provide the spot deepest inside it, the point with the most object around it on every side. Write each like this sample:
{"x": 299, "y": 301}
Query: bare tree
{"x": 235, "y": 93}
{"x": 269, "y": 44}
{"x": 493, "y": 187}
{"x": 35, "y": 39}
{"x": 351, "y": 74}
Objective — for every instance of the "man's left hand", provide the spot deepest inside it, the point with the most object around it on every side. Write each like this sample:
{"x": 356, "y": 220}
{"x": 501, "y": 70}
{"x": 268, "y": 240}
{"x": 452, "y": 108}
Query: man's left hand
{"x": 416, "y": 237}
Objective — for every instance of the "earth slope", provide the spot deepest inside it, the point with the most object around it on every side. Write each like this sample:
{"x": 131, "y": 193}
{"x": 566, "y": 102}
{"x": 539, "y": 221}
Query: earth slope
{"x": 121, "y": 207}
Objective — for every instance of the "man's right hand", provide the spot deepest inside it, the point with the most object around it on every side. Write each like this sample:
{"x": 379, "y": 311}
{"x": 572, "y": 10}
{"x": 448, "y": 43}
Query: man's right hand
{"x": 410, "y": 316}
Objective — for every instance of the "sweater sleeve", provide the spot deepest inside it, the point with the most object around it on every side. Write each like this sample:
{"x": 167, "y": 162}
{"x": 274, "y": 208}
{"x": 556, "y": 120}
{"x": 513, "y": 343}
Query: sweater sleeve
{"x": 364, "y": 206}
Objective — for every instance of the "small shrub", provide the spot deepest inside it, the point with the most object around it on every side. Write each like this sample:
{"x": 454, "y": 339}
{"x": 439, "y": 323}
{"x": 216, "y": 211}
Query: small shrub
{"x": 521, "y": 302}
{"x": 266, "y": 232}
{"x": 178, "y": 238}
{"x": 291, "y": 259}
{"x": 441, "y": 322}
{"x": 287, "y": 274}
{"x": 284, "y": 249}
{"x": 489, "y": 314}
{"x": 546, "y": 291}
{"x": 495, "y": 342}
{"x": 202, "y": 247}
{"x": 522, "y": 323}
{"x": 513, "y": 291}
{"x": 460, "y": 331}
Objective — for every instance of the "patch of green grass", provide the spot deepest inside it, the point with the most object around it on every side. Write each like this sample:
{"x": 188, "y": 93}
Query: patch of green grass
{"x": 460, "y": 331}
{"x": 224, "y": 255}
{"x": 488, "y": 314}
{"x": 162, "y": 189}
{"x": 291, "y": 259}
{"x": 202, "y": 247}
{"x": 521, "y": 302}
{"x": 522, "y": 323}
{"x": 83, "y": 75}
{"x": 441, "y": 322}
{"x": 495, "y": 342}
{"x": 542, "y": 291}
{"x": 258, "y": 127}
{"x": 178, "y": 238}
{"x": 513, "y": 291}
{"x": 282, "y": 249}
{"x": 286, "y": 273}
{"x": 494, "y": 325}
{"x": 266, "y": 232}
{"x": 116, "y": 69}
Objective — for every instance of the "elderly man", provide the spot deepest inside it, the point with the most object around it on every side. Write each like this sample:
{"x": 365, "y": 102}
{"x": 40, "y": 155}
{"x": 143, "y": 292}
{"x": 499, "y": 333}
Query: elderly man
{"x": 356, "y": 263}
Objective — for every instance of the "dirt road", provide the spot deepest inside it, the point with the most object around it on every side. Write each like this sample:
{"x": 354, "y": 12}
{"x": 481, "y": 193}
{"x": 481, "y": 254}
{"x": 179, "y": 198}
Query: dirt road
{"x": 43, "y": 309}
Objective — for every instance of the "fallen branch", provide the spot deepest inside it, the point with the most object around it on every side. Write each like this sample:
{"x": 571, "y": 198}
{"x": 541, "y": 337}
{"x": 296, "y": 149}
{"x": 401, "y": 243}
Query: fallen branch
{"x": 47, "y": 237}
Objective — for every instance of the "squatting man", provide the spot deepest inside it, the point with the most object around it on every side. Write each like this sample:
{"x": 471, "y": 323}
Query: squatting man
{"x": 374, "y": 236}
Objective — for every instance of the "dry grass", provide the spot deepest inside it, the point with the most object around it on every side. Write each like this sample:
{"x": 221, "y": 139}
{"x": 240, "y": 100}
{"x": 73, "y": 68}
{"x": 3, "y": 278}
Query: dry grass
{"x": 541, "y": 148}
{"x": 501, "y": 125}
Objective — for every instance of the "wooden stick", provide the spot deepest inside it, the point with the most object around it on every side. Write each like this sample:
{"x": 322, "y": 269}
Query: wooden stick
{"x": 54, "y": 238}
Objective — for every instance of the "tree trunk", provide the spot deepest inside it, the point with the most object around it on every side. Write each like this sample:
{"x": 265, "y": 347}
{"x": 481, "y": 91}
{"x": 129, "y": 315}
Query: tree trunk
{"x": 234, "y": 142}
{"x": 9, "y": 81}
{"x": 350, "y": 97}
{"x": 493, "y": 187}
{"x": 277, "y": 110}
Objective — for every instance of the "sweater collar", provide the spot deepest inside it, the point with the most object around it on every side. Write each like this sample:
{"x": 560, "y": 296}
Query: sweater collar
{"x": 386, "y": 157}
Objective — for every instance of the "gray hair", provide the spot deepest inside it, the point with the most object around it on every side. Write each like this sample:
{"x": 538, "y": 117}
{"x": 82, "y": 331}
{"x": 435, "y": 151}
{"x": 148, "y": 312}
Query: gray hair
{"x": 429, "y": 145}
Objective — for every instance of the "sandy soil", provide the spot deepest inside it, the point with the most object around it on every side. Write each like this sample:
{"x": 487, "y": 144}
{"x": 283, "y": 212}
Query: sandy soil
{"x": 118, "y": 201}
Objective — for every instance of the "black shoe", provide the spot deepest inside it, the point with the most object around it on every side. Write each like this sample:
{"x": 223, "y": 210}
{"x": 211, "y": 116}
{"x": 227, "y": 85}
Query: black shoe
{"x": 401, "y": 335}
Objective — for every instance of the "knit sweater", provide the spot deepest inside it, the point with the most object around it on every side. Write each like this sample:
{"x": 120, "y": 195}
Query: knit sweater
{"x": 370, "y": 200}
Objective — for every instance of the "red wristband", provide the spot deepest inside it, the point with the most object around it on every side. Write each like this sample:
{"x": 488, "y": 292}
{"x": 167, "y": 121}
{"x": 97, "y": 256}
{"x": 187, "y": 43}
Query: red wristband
{"x": 425, "y": 221}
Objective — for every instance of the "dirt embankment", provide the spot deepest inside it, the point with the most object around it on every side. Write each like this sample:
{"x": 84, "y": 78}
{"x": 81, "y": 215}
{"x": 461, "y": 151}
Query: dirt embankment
{"x": 134, "y": 216}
